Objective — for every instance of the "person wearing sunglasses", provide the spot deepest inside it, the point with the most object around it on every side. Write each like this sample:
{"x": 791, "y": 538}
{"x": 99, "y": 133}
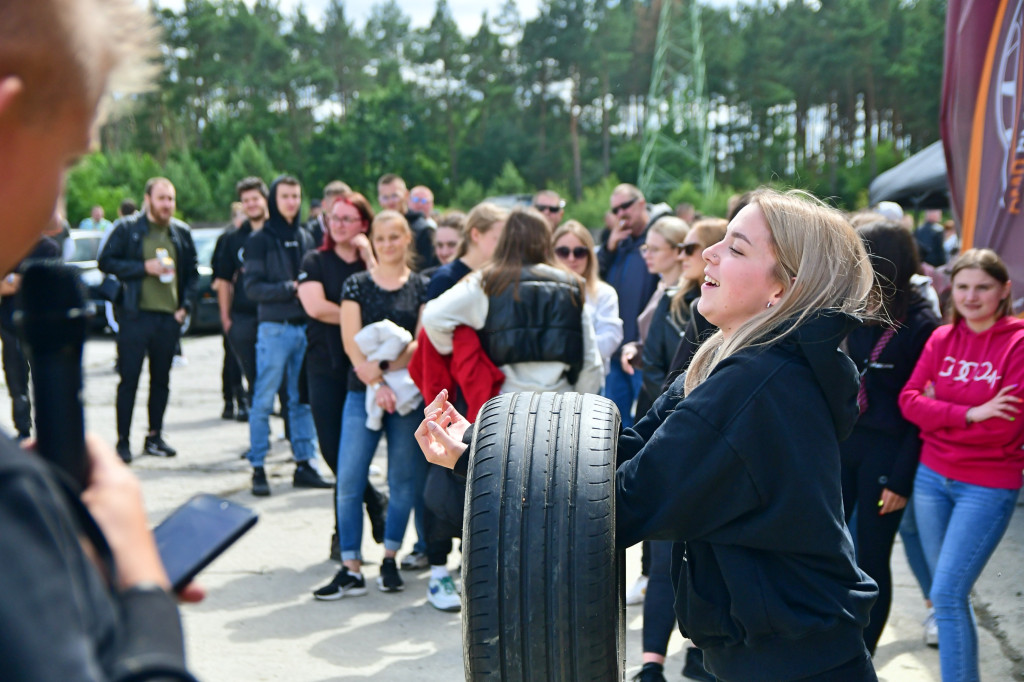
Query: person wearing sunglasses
{"x": 551, "y": 206}
{"x": 622, "y": 266}
{"x": 421, "y": 200}
{"x": 574, "y": 248}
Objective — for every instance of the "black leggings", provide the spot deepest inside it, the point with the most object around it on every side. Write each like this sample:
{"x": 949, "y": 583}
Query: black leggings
{"x": 866, "y": 462}
{"x": 659, "y": 611}
{"x": 152, "y": 335}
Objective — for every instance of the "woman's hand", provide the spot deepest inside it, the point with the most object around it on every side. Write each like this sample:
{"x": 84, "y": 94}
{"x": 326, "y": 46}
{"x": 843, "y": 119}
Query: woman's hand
{"x": 362, "y": 244}
{"x": 629, "y": 352}
{"x": 440, "y": 433}
{"x": 890, "y": 502}
{"x": 1001, "y": 406}
{"x": 369, "y": 372}
{"x": 386, "y": 399}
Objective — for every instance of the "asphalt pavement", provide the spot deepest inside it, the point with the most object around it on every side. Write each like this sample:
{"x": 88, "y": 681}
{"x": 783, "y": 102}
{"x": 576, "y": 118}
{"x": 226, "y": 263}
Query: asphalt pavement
{"x": 260, "y": 621}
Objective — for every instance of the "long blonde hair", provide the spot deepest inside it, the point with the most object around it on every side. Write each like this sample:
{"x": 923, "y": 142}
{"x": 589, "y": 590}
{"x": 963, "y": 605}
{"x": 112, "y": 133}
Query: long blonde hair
{"x": 482, "y": 218}
{"x": 707, "y": 231}
{"x": 820, "y": 263}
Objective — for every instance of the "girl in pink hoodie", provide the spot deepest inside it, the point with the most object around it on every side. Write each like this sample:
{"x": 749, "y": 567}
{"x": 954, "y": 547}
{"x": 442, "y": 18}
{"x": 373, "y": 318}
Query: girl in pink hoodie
{"x": 964, "y": 395}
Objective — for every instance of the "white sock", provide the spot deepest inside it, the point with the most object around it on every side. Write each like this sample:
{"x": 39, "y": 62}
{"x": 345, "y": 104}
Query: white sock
{"x": 439, "y": 572}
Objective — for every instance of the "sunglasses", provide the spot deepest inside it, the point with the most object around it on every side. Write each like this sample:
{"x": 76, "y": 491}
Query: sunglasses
{"x": 688, "y": 249}
{"x": 419, "y": 200}
{"x": 577, "y": 252}
{"x": 549, "y": 209}
{"x": 623, "y": 206}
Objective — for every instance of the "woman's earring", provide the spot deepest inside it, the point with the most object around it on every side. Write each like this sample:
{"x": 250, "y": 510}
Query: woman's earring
{"x": 769, "y": 304}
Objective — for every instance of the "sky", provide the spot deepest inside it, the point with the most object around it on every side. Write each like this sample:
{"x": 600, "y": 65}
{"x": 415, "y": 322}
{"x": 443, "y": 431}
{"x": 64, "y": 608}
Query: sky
{"x": 466, "y": 12}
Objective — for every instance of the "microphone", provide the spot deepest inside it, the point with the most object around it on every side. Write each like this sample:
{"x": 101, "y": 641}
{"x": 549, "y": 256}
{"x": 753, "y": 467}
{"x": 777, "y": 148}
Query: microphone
{"x": 52, "y": 316}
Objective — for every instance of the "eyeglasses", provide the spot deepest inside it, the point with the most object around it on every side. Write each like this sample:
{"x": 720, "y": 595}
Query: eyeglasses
{"x": 577, "y": 252}
{"x": 416, "y": 200}
{"x": 549, "y": 209}
{"x": 388, "y": 197}
{"x": 623, "y": 206}
{"x": 688, "y": 249}
{"x": 644, "y": 249}
{"x": 346, "y": 220}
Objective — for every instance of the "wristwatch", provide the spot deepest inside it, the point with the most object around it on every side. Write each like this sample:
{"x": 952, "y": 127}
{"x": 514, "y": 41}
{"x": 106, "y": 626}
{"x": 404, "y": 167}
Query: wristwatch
{"x": 384, "y": 365}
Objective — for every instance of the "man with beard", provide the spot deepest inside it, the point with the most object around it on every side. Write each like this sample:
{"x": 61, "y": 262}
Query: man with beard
{"x": 152, "y": 254}
{"x": 237, "y": 311}
{"x": 272, "y": 259}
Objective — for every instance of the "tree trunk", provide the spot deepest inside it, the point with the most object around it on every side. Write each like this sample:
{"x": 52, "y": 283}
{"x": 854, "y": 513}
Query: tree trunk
{"x": 606, "y": 164}
{"x": 574, "y": 137}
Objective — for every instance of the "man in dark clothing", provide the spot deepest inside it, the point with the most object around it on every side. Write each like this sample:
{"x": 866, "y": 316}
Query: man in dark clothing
{"x": 393, "y": 195}
{"x": 152, "y": 254}
{"x": 272, "y": 259}
{"x": 237, "y": 311}
{"x": 16, "y": 369}
{"x": 85, "y": 596}
{"x": 929, "y": 238}
{"x": 622, "y": 266}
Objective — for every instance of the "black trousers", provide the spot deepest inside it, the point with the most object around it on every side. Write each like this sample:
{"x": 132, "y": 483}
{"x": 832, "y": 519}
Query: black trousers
{"x": 231, "y": 377}
{"x": 867, "y": 458}
{"x": 659, "y": 601}
{"x": 152, "y": 335}
{"x": 16, "y": 373}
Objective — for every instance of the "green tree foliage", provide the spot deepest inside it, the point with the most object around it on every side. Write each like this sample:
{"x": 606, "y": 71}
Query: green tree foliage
{"x": 821, "y": 94}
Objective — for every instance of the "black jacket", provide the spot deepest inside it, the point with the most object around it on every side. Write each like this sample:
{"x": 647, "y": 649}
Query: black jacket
{"x": 884, "y": 380}
{"x": 545, "y": 324}
{"x": 744, "y": 475}
{"x": 61, "y": 619}
{"x": 229, "y": 265}
{"x": 663, "y": 337}
{"x": 273, "y": 257}
{"x": 122, "y": 257}
{"x": 423, "y": 238}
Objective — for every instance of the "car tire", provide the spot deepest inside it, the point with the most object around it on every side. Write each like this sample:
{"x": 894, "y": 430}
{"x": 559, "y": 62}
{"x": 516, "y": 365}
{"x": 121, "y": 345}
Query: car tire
{"x": 542, "y": 582}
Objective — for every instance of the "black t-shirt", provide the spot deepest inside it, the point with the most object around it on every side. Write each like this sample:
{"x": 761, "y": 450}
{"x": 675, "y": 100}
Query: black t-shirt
{"x": 325, "y": 351}
{"x": 401, "y": 306}
{"x": 228, "y": 262}
{"x": 46, "y": 249}
{"x": 445, "y": 277}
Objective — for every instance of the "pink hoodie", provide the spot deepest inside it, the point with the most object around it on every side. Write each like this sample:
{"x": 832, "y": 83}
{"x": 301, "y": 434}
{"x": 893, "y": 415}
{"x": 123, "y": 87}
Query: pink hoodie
{"x": 967, "y": 370}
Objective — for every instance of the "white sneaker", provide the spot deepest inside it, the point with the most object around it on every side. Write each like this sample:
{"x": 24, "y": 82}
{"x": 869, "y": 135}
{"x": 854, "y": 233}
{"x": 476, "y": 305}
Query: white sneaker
{"x": 635, "y": 594}
{"x": 931, "y": 629}
{"x": 442, "y": 595}
{"x": 414, "y": 561}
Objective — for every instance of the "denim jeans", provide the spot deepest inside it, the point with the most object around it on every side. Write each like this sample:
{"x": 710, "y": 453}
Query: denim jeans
{"x": 960, "y": 525}
{"x": 407, "y": 471}
{"x": 279, "y": 347}
{"x": 622, "y": 389}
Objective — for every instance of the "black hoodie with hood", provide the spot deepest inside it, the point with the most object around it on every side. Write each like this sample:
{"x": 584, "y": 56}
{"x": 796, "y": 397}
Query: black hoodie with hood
{"x": 272, "y": 259}
{"x": 744, "y": 476}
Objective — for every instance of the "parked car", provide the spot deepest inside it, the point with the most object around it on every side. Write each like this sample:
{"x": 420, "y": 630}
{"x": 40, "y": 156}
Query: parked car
{"x": 205, "y": 316}
{"x": 81, "y": 249}
{"x": 511, "y": 201}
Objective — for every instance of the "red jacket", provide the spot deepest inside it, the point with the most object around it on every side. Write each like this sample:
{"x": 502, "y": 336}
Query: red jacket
{"x": 467, "y": 371}
{"x": 967, "y": 370}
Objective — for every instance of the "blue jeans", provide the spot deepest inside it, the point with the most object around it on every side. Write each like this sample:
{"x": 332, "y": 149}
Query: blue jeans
{"x": 279, "y": 347}
{"x": 960, "y": 525}
{"x": 622, "y": 389}
{"x": 407, "y": 471}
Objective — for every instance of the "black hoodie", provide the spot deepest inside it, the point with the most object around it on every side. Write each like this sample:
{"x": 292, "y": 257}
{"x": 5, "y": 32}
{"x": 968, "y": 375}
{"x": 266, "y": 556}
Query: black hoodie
{"x": 272, "y": 259}
{"x": 744, "y": 475}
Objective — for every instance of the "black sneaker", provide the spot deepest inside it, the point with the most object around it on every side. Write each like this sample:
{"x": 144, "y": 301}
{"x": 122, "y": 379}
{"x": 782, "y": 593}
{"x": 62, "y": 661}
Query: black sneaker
{"x": 694, "y": 668}
{"x": 651, "y": 672}
{"x": 124, "y": 452}
{"x": 260, "y": 487}
{"x": 156, "y": 446}
{"x": 377, "y": 510}
{"x": 415, "y": 561}
{"x": 344, "y": 584}
{"x": 308, "y": 477}
{"x": 390, "y": 580}
{"x": 229, "y": 411}
{"x": 242, "y": 415}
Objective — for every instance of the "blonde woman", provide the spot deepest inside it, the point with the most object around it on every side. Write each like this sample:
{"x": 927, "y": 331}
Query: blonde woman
{"x": 574, "y": 248}
{"x": 740, "y": 473}
{"x": 480, "y": 235}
